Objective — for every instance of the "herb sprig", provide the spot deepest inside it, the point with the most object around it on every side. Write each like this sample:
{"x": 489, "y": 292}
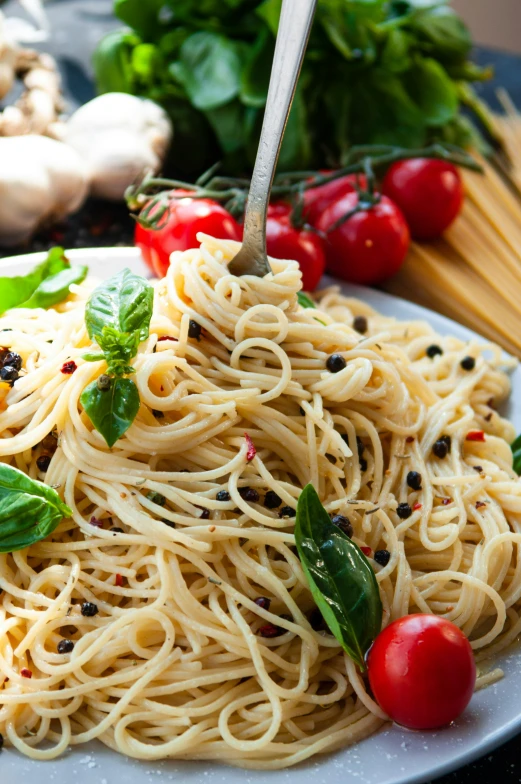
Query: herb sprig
{"x": 117, "y": 317}
{"x": 340, "y": 578}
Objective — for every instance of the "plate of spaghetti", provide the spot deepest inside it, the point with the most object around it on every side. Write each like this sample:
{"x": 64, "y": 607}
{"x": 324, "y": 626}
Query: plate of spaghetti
{"x": 160, "y": 610}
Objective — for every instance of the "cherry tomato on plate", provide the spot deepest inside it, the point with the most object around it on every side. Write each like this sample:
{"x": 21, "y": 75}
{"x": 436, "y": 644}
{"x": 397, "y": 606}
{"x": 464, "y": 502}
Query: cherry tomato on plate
{"x": 316, "y": 200}
{"x": 285, "y": 241}
{"x": 370, "y": 246}
{"x": 422, "y": 671}
{"x": 429, "y": 193}
{"x": 179, "y": 229}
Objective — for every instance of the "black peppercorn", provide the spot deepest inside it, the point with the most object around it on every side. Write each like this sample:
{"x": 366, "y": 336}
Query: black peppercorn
{"x": 335, "y": 363}
{"x": 263, "y": 602}
{"x": 249, "y": 494}
{"x": 403, "y": 511}
{"x": 414, "y": 480}
{"x": 12, "y": 359}
{"x": 194, "y": 330}
{"x": 360, "y": 324}
{"x": 8, "y": 373}
{"x": 442, "y": 446}
{"x": 287, "y": 511}
{"x": 43, "y": 462}
{"x": 343, "y": 523}
{"x": 433, "y": 350}
{"x": 382, "y": 557}
{"x": 269, "y": 630}
{"x": 205, "y": 513}
{"x": 223, "y": 495}
{"x": 468, "y": 363}
{"x": 89, "y": 610}
{"x": 272, "y": 500}
{"x": 65, "y": 646}
{"x": 104, "y": 382}
{"x": 156, "y": 498}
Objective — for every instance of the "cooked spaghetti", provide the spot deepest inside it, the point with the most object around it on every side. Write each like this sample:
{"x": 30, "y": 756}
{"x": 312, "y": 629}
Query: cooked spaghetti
{"x": 181, "y": 538}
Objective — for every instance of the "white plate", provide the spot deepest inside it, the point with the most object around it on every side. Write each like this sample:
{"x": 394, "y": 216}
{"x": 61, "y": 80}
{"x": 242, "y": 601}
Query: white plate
{"x": 393, "y": 756}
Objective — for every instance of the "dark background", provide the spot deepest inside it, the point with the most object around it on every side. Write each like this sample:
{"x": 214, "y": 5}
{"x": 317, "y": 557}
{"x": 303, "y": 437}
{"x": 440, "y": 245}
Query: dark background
{"x": 77, "y": 26}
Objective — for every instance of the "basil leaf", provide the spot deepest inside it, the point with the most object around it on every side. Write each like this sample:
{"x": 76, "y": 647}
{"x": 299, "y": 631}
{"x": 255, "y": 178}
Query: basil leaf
{"x": 443, "y": 32}
{"x": 29, "y": 510}
{"x": 124, "y": 302}
{"x": 255, "y": 75}
{"x": 55, "y": 288}
{"x": 15, "y": 291}
{"x": 209, "y": 69}
{"x": 111, "y": 411}
{"x": 304, "y": 301}
{"x": 433, "y": 91}
{"x": 340, "y": 577}
{"x": 112, "y": 62}
{"x": 118, "y": 349}
{"x": 270, "y": 10}
{"x": 516, "y": 451}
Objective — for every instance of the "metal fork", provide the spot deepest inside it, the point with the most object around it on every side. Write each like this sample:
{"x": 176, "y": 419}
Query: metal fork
{"x": 295, "y": 23}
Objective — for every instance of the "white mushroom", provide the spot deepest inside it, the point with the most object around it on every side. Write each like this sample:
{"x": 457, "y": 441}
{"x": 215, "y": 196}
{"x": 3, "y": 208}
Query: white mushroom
{"x": 41, "y": 180}
{"x": 121, "y": 138}
{"x": 7, "y": 60}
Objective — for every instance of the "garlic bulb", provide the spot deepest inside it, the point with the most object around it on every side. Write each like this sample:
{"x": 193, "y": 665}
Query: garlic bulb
{"x": 120, "y": 137}
{"x": 40, "y": 180}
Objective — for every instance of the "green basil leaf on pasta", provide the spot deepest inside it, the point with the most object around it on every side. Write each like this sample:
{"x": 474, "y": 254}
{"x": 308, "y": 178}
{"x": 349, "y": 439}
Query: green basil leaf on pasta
{"x": 55, "y": 288}
{"x": 516, "y": 452}
{"x": 304, "y": 301}
{"x": 29, "y": 510}
{"x": 111, "y": 410}
{"x": 17, "y": 290}
{"x": 340, "y": 577}
{"x": 123, "y": 302}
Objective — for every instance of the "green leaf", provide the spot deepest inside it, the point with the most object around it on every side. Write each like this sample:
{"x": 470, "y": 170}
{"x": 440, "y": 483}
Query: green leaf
{"x": 209, "y": 68}
{"x": 442, "y": 33}
{"x": 112, "y": 62}
{"x": 269, "y": 11}
{"x": 124, "y": 302}
{"x": 395, "y": 55}
{"x": 118, "y": 349}
{"x": 29, "y": 510}
{"x": 146, "y": 62}
{"x": 340, "y": 578}
{"x": 111, "y": 411}
{"x": 17, "y": 290}
{"x": 304, "y": 301}
{"x": 433, "y": 91}
{"x": 516, "y": 451}
{"x": 141, "y": 15}
{"x": 296, "y": 144}
{"x": 228, "y": 123}
{"x": 255, "y": 75}
{"x": 55, "y": 288}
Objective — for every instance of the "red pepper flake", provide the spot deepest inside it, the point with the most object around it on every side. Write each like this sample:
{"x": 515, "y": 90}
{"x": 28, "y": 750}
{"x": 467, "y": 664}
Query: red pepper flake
{"x": 167, "y": 337}
{"x": 119, "y": 580}
{"x": 480, "y": 504}
{"x": 409, "y": 439}
{"x": 25, "y": 673}
{"x": 417, "y": 506}
{"x": 269, "y": 630}
{"x": 211, "y": 528}
{"x": 251, "y": 451}
{"x": 489, "y": 416}
{"x": 446, "y": 501}
{"x": 68, "y": 368}
{"x": 162, "y": 388}
{"x": 366, "y": 551}
{"x": 475, "y": 435}
{"x": 95, "y": 522}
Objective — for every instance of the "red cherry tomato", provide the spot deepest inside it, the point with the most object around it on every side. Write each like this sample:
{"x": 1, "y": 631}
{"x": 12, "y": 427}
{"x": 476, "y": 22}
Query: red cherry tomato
{"x": 179, "y": 229}
{"x": 316, "y": 200}
{"x": 429, "y": 193}
{"x": 422, "y": 671}
{"x": 370, "y": 246}
{"x": 287, "y": 242}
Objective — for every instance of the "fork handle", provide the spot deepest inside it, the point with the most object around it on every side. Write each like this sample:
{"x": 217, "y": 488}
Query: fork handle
{"x": 295, "y": 23}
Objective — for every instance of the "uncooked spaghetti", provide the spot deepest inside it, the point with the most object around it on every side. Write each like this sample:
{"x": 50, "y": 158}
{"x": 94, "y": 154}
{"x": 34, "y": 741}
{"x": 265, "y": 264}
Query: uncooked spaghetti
{"x": 179, "y": 553}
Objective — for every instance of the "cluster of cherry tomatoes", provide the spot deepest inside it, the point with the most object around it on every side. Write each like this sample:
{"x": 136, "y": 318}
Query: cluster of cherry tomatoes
{"x": 419, "y": 197}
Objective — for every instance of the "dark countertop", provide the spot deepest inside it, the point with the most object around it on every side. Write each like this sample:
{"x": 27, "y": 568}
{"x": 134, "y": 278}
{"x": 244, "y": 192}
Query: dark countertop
{"x": 77, "y": 27}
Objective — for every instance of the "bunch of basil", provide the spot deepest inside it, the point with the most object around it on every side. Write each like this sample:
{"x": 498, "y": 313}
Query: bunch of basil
{"x": 376, "y": 71}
